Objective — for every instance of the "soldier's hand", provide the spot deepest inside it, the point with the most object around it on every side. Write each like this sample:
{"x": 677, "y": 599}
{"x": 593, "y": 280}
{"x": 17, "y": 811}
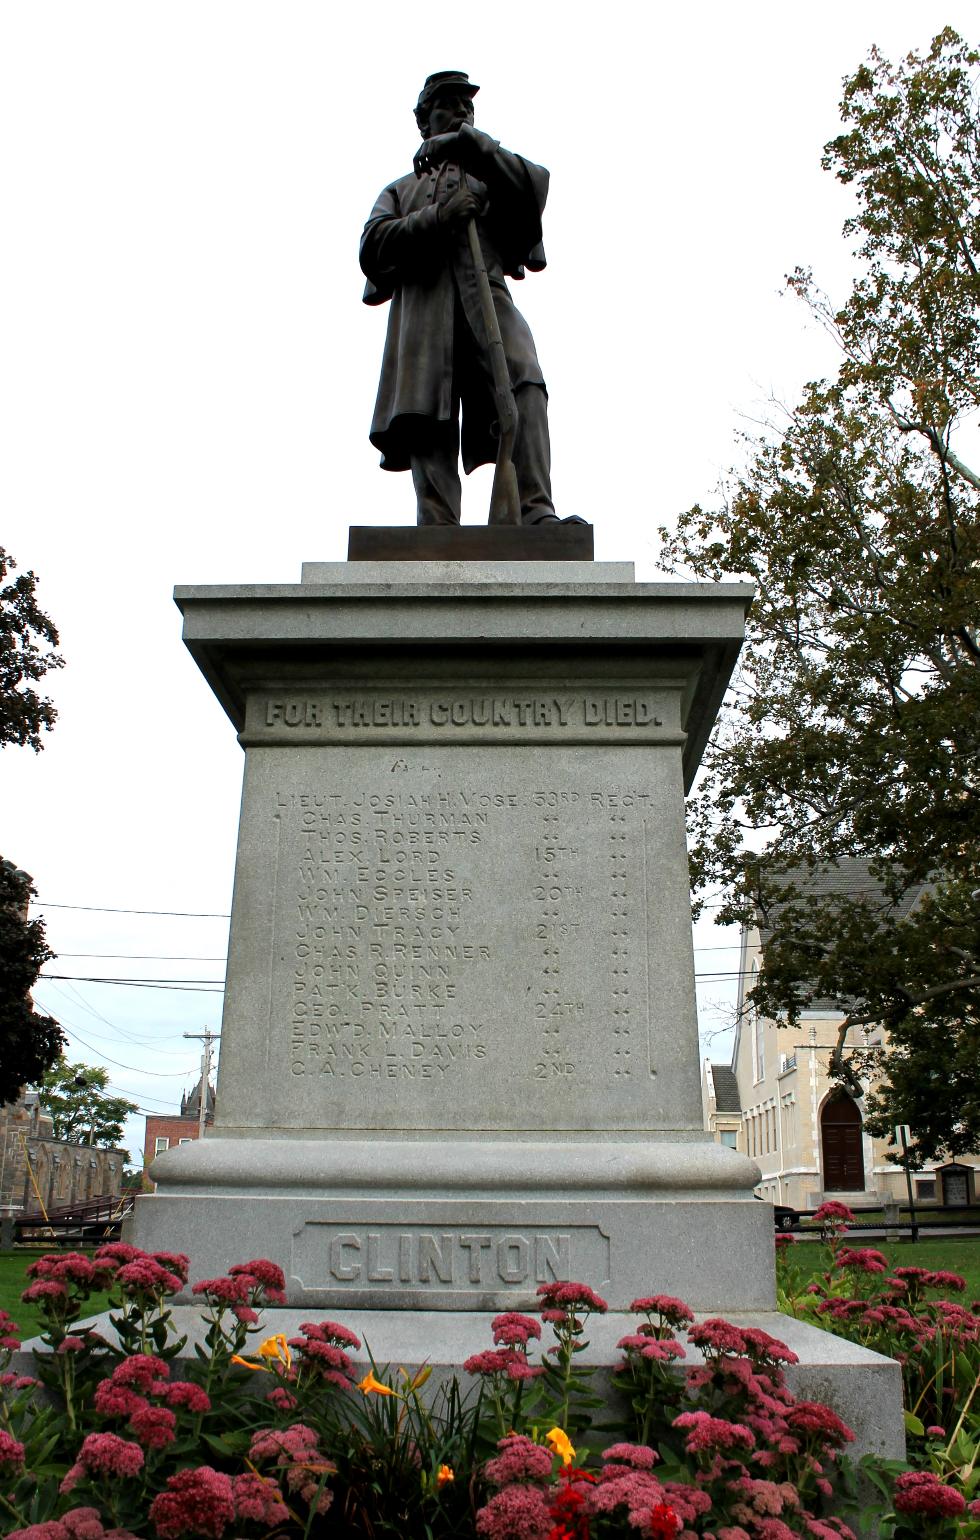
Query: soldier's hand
{"x": 433, "y": 152}
{"x": 463, "y": 205}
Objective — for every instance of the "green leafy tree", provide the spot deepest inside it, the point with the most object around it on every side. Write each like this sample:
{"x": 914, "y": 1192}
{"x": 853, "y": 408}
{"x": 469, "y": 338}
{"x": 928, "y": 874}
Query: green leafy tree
{"x": 81, "y": 1107}
{"x": 854, "y": 727}
{"x": 27, "y": 642}
{"x": 29, "y": 1041}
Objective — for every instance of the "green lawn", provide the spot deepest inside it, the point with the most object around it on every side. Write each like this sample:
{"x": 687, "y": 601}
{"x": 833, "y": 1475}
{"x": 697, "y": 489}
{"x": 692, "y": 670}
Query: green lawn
{"x": 954, "y": 1255}
{"x": 14, "y": 1280}
{"x": 957, "y": 1256}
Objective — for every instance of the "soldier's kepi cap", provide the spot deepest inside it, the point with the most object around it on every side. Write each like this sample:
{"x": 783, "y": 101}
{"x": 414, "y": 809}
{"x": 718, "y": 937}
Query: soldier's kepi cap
{"x": 442, "y": 80}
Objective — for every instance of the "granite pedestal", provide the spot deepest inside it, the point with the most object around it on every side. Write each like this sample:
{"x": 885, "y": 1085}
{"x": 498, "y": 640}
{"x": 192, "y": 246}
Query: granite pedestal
{"x": 459, "y": 1048}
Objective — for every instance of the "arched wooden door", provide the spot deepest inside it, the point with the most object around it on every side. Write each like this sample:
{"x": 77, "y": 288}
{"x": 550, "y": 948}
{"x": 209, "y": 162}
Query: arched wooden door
{"x": 843, "y": 1145}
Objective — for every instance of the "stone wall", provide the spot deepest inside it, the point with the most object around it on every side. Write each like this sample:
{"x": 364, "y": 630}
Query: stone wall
{"x": 63, "y": 1173}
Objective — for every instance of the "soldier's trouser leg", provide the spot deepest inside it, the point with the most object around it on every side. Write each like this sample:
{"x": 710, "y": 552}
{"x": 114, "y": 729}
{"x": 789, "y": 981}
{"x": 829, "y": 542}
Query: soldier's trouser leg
{"x": 532, "y": 455}
{"x": 435, "y": 473}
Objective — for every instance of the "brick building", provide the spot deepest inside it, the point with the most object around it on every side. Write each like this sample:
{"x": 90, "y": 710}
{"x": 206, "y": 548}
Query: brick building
{"x": 165, "y": 1130}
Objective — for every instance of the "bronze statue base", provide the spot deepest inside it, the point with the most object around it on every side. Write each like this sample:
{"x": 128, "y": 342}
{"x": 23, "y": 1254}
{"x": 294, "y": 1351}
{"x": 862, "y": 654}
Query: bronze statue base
{"x": 471, "y": 542}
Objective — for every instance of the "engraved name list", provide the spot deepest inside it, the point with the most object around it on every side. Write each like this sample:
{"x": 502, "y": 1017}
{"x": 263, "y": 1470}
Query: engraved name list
{"x": 394, "y": 940}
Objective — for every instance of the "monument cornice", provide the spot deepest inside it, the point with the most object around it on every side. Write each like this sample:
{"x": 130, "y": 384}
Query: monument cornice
{"x": 233, "y": 630}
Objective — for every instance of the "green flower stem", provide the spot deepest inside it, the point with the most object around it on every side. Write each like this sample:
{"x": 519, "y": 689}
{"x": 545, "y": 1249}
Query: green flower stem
{"x": 68, "y": 1388}
{"x": 17, "y": 1512}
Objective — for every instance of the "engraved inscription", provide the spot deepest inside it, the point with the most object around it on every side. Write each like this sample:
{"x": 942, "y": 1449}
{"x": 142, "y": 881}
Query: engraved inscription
{"x": 380, "y": 712}
{"x": 557, "y": 889}
{"x": 331, "y": 1256}
{"x": 381, "y": 934}
{"x": 409, "y": 982}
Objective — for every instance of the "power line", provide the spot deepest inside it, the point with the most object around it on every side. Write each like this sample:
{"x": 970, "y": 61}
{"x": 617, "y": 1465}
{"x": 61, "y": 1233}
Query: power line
{"x": 180, "y": 914}
{"x": 187, "y": 986}
{"x": 157, "y": 1074}
{"x": 134, "y": 1042}
{"x": 144, "y": 956}
{"x": 738, "y": 973}
{"x": 137, "y": 1040}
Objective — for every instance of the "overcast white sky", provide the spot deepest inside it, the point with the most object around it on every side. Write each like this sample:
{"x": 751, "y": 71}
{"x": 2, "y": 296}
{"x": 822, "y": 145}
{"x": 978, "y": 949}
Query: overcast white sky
{"x": 187, "y": 373}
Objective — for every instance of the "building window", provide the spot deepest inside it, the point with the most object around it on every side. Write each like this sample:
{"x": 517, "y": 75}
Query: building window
{"x": 185, "y": 1141}
{"x": 729, "y": 1138}
{"x": 160, "y": 1143}
{"x": 925, "y": 1190}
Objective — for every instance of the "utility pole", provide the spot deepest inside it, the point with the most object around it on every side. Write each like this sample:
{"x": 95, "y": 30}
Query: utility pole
{"x": 207, "y": 1037}
{"x": 902, "y": 1135}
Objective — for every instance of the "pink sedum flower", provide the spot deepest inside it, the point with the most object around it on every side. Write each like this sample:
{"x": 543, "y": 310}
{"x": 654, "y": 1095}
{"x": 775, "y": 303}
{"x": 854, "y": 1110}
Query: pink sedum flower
{"x": 673, "y": 1311}
{"x": 283, "y": 1444}
{"x": 571, "y": 1296}
{"x": 140, "y": 1369}
{"x": 814, "y": 1417}
{"x": 11, "y": 1452}
{"x": 78, "y": 1524}
{"x": 513, "y": 1329}
{"x": 105, "y": 1454}
{"x": 282, "y": 1399}
{"x": 866, "y": 1260}
{"x": 144, "y": 1276}
{"x": 119, "y": 1252}
{"x": 258, "y": 1500}
{"x": 84, "y": 1524}
{"x": 920, "y": 1492}
{"x": 225, "y": 1291}
{"x": 503, "y": 1360}
{"x": 173, "y": 1262}
{"x": 37, "y": 1293}
{"x": 763, "y": 1348}
{"x": 517, "y": 1513}
{"x": 297, "y": 1452}
{"x": 325, "y": 1359}
{"x": 834, "y": 1211}
{"x": 185, "y": 1393}
{"x": 520, "y": 1459}
{"x": 51, "y": 1529}
{"x": 112, "y": 1400}
{"x": 330, "y": 1331}
{"x": 154, "y": 1426}
{"x": 706, "y": 1434}
{"x": 718, "y": 1336}
{"x": 196, "y": 1502}
{"x": 268, "y": 1274}
{"x": 637, "y": 1456}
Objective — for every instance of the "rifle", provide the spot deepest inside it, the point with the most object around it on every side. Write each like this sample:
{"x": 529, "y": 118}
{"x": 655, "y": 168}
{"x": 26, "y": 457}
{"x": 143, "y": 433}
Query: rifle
{"x": 505, "y": 502}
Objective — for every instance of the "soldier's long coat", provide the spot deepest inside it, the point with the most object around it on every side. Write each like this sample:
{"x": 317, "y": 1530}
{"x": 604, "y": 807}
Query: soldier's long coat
{"x": 426, "y": 270}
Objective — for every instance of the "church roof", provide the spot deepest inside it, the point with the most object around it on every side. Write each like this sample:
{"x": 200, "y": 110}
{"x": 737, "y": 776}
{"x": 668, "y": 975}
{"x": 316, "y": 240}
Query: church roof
{"x": 190, "y": 1106}
{"x": 850, "y": 878}
{"x": 727, "y": 1098}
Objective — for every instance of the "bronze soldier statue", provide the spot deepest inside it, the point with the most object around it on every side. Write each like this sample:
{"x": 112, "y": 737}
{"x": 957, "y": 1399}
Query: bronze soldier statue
{"x": 469, "y": 212}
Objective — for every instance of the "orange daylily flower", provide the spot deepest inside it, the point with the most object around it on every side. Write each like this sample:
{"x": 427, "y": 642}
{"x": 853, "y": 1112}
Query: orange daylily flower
{"x": 560, "y": 1445}
{"x": 372, "y": 1386}
{"x": 273, "y": 1347}
{"x": 444, "y": 1475}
